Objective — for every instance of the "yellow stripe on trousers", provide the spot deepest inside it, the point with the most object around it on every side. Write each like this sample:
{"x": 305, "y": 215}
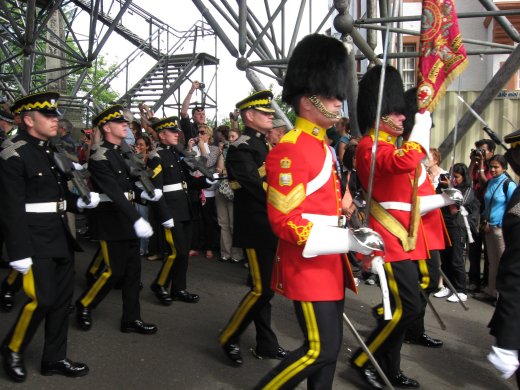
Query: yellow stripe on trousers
{"x": 94, "y": 290}
{"x": 425, "y": 274}
{"x": 248, "y": 302}
{"x": 306, "y": 360}
{"x": 389, "y": 327}
{"x": 94, "y": 268}
{"x": 27, "y": 312}
{"x": 168, "y": 264}
{"x": 13, "y": 274}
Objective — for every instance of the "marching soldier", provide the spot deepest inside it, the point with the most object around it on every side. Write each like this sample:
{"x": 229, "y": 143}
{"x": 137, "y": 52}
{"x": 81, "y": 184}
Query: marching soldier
{"x": 304, "y": 206}
{"x": 117, "y": 225}
{"x": 39, "y": 242}
{"x": 170, "y": 174}
{"x": 246, "y": 170}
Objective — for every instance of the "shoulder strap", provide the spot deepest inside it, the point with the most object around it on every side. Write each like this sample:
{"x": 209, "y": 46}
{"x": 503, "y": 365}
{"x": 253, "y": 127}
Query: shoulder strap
{"x": 505, "y": 188}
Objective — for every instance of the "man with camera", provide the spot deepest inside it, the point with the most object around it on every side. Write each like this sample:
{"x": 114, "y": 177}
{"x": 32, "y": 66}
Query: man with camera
{"x": 191, "y": 129}
{"x": 480, "y": 174}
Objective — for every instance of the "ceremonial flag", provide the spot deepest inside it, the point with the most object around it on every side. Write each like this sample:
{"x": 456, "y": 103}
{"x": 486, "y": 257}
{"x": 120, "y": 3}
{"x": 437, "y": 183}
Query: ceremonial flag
{"x": 442, "y": 54}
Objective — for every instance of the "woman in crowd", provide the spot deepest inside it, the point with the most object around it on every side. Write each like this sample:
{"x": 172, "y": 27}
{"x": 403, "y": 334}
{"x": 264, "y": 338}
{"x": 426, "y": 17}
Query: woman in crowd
{"x": 499, "y": 190}
{"x": 452, "y": 258}
{"x": 143, "y": 146}
{"x": 434, "y": 170}
{"x": 224, "y": 203}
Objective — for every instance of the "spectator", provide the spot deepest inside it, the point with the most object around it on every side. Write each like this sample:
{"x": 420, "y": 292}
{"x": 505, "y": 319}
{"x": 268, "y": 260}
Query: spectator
{"x": 6, "y": 123}
{"x": 143, "y": 145}
{"x": 343, "y": 129}
{"x": 190, "y": 129}
{"x": 434, "y": 170}
{"x": 64, "y": 129}
{"x": 480, "y": 174}
{"x": 452, "y": 258}
{"x": 275, "y": 134}
{"x": 499, "y": 190}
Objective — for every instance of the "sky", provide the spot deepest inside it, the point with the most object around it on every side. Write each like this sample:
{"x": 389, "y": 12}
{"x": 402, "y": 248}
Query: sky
{"x": 232, "y": 83}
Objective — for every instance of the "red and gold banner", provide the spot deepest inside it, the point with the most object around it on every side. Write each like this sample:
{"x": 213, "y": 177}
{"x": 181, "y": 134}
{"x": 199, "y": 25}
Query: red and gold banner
{"x": 442, "y": 54}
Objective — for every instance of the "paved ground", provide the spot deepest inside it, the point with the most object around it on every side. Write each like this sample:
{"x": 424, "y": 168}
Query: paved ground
{"x": 184, "y": 353}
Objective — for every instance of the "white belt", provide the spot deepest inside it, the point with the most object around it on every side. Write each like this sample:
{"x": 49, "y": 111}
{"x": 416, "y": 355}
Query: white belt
{"x": 47, "y": 207}
{"x": 396, "y": 206}
{"x": 328, "y": 220}
{"x": 174, "y": 187}
{"x": 105, "y": 198}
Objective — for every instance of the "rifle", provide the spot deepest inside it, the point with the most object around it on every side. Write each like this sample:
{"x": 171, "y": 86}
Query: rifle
{"x": 195, "y": 163}
{"x": 63, "y": 161}
{"x": 136, "y": 168}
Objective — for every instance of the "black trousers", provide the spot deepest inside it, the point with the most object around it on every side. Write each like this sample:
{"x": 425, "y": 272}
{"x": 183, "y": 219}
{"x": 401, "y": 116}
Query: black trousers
{"x": 429, "y": 280}
{"x": 474, "y": 256}
{"x": 452, "y": 259}
{"x": 175, "y": 268}
{"x": 322, "y": 327}
{"x": 122, "y": 263}
{"x": 49, "y": 287}
{"x": 256, "y": 305}
{"x": 386, "y": 340}
{"x": 96, "y": 265}
{"x": 210, "y": 234}
{"x": 12, "y": 281}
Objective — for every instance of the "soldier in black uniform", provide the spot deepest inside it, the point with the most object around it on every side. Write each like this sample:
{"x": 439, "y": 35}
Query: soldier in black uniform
{"x": 245, "y": 164}
{"x": 40, "y": 245}
{"x": 171, "y": 175}
{"x": 117, "y": 225}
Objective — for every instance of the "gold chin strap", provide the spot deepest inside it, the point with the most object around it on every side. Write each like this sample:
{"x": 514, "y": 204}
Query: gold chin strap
{"x": 386, "y": 119}
{"x": 321, "y": 108}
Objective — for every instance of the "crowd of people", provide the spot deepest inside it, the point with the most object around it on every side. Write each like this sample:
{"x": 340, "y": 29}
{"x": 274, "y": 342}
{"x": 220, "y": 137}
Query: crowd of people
{"x": 290, "y": 204}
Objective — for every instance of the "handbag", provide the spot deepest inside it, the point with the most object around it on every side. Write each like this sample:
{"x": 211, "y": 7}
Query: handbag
{"x": 225, "y": 190}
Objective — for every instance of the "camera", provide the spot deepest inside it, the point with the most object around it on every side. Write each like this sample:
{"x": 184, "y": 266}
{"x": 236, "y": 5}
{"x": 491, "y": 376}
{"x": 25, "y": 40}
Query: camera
{"x": 202, "y": 86}
{"x": 477, "y": 153}
{"x": 444, "y": 176}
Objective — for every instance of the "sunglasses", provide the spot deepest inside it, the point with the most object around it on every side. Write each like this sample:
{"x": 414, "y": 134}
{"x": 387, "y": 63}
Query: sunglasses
{"x": 202, "y": 132}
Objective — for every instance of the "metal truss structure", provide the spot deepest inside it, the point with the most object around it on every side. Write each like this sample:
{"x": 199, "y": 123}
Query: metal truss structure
{"x": 260, "y": 35}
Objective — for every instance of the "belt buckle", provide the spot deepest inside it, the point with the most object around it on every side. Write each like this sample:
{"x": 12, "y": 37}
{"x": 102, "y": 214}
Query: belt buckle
{"x": 131, "y": 196}
{"x": 61, "y": 207}
{"x": 342, "y": 221}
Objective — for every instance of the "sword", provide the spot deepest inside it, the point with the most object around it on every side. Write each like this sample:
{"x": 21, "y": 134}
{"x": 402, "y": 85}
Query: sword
{"x": 487, "y": 129}
{"x": 450, "y": 286}
{"x": 434, "y": 311}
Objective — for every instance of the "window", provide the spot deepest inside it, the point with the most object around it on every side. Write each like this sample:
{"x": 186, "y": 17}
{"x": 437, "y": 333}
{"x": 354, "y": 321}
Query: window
{"x": 409, "y": 71}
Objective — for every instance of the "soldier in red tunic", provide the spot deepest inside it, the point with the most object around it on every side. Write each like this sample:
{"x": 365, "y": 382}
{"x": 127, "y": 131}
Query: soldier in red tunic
{"x": 304, "y": 205}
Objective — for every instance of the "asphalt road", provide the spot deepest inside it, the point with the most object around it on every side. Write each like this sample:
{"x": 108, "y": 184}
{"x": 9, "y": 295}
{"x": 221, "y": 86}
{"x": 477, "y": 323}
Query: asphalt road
{"x": 184, "y": 354}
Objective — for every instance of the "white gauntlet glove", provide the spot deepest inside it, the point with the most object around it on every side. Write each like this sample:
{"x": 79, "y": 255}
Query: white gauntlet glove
{"x": 504, "y": 360}
{"x": 94, "y": 201}
{"x": 142, "y": 228}
{"x": 421, "y": 130}
{"x": 168, "y": 223}
{"x": 23, "y": 265}
{"x": 157, "y": 195}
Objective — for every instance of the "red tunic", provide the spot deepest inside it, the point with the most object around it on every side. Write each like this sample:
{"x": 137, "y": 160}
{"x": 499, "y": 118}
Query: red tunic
{"x": 290, "y": 166}
{"x": 392, "y": 183}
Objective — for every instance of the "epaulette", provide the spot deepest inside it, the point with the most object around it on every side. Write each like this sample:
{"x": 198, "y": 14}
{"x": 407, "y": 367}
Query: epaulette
{"x": 99, "y": 154}
{"x": 10, "y": 148}
{"x": 291, "y": 136}
{"x": 153, "y": 154}
{"x": 241, "y": 140}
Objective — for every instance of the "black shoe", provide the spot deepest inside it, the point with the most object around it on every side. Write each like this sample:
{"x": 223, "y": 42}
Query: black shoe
{"x": 83, "y": 316}
{"x": 400, "y": 380}
{"x": 232, "y": 351}
{"x": 64, "y": 367}
{"x": 13, "y": 365}
{"x": 425, "y": 341}
{"x": 138, "y": 326}
{"x": 370, "y": 376}
{"x": 185, "y": 296}
{"x": 161, "y": 294}
{"x": 280, "y": 354}
{"x": 6, "y": 300}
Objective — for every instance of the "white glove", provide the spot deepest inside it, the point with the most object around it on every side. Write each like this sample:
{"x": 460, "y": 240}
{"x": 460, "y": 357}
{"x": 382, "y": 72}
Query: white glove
{"x": 421, "y": 130}
{"x": 142, "y": 228}
{"x": 168, "y": 223}
{"x": 504, "y": 360}
{"x": 77, "y": 166}
{"x": 23, "y": 265}
{"x": 432, "y": 202}
{"x": 211, "y": 182}
{"x": 94, "y": 201}
{"x": 326, "y": 240}
{"x": 155, "y": 198}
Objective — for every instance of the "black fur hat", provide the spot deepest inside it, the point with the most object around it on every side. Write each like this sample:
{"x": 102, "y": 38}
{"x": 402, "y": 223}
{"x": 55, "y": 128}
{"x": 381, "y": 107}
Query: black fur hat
{"x": 393, "y": 96}
{"x": 318, "y": 66}
{"x": 412, "y": 108}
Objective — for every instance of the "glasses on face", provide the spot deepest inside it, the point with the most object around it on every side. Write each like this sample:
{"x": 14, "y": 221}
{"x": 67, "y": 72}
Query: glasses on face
{"x": 202, "y": 132}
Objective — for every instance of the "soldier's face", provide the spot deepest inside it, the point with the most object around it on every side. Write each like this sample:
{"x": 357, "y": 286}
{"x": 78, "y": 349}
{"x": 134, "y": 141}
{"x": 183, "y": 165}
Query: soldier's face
{"x": 169, "y": 137}
{"x": 41, "y": 126}
{"x": 118, "y": 130}
{"x": 393, "y": 123}
{"x": 261, "y": 121}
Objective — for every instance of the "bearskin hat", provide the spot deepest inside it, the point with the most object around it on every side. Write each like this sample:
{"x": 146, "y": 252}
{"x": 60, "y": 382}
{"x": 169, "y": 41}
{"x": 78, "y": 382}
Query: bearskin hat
{"x": 318, "y": 66}
{"x": 393, "y": 96}
{"x": 412, "y": 108}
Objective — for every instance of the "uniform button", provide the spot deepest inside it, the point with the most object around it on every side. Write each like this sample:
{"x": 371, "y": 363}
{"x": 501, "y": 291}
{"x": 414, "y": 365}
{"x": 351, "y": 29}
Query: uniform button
{"x": 279, "y": 285}
{"x": 40, "y": 174}
{"x": 118, "y": 171}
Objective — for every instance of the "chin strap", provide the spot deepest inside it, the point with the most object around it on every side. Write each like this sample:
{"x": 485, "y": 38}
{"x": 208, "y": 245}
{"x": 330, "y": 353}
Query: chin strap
{"x": 321, "y": 108}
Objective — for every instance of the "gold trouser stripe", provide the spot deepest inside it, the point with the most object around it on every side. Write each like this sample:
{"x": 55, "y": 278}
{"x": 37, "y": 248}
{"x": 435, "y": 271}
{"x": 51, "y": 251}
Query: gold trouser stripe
{"x": 168, "y": 264}
{"x": 389, "y": 327}
{"x": 425, "y": 275}
{"x": 13, "y": 274}
{"x": 248, "y": 302}
{"x": 27, "y": 312}
{"x": 94, "y": 290}
{"x": 94, "y": 268}
{"x": 306, "y": 360}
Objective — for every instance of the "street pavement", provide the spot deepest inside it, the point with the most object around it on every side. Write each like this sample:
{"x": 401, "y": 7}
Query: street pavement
{"x": 184, "y": 354}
